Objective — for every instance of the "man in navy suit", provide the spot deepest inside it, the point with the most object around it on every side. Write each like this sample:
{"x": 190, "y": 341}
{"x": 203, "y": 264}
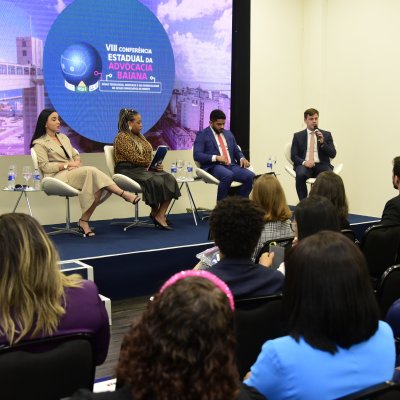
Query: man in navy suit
{"x": 217, "y": 152}
{"x": 391, "y": 212}
{"x": 311, "y": 151}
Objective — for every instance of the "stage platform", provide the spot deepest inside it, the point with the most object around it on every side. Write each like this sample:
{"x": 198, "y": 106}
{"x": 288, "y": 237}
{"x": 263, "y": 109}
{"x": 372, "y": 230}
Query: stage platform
{"x": 136, "y": 262}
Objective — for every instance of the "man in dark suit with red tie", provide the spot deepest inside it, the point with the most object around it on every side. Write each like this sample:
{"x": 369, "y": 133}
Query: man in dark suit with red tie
{"x": 217, "y": 152}
{"x": 311, "y": 151}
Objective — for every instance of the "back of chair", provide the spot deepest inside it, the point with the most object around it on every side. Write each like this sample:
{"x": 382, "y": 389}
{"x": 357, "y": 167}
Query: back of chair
{"x": 383, "y": 391}
{"x": 350, "y": 234}
{"x": 257, "y": 320}
{"x": 35, "y": 161}
{"x": 388, "y": 289}
{"x": 109, "y": 154}
{"x": 380, "y": 245}
{"x": 47, "y": 369}
{"x": 287, "y": 150}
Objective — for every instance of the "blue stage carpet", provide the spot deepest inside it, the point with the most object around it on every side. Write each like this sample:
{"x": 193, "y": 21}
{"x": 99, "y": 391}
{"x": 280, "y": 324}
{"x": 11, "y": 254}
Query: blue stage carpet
{"x": 111, "y": 240}
{"x": 137, "y": 262}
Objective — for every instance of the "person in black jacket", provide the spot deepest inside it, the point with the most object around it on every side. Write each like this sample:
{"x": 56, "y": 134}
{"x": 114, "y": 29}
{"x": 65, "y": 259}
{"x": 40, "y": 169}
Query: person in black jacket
{"x": 311, "y": 152}
{"x": 391, "y": 212}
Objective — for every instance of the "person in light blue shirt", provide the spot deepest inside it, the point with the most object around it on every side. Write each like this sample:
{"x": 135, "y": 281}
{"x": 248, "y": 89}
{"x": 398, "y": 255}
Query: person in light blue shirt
{"x": 336, "y": 343}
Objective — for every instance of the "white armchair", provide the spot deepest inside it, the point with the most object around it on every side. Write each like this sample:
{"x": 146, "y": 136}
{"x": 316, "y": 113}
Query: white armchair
{"x": 208, "y": 178}
{"x": 54, "y": 187}
{"x": 125, "y": 183}
{"x": 289, "y": 168}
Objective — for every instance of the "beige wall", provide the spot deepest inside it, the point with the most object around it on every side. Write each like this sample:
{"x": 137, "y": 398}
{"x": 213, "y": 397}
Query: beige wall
{"x": 276, "y": 81}
{"x": 342, "y": 57}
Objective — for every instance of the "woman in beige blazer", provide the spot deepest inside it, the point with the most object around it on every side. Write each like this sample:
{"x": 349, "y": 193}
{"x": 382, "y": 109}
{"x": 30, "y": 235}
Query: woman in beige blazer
{"x": 57, "y": 158}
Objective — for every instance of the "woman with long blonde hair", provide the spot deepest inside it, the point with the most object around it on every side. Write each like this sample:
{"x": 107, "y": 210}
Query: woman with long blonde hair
{"x": 36, "y": 298}
{"x": 269, "y": 195}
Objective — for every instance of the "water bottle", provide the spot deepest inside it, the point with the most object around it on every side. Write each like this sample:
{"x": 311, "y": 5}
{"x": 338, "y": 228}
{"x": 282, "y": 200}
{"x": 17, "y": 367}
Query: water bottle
{"x": 11, "y": 177}
{"x": 36, "y": 179}
{"x": 179, "y": 168}
{"x": 269, "y": 165}
{"x": 189, "y": 171}
{"x": 174, "y": 170}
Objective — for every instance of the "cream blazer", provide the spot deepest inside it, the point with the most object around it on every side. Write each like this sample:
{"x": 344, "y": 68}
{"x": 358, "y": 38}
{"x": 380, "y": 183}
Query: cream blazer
{"x": 50, "y": 155}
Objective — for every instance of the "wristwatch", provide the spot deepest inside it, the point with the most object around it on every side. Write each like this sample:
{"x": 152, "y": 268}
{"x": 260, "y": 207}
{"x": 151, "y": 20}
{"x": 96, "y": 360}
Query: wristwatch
{"x": 66, "y": 166}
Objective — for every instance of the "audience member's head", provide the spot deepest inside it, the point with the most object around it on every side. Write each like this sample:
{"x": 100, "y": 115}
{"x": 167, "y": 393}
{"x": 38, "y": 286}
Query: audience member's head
{"x": 183, "y": 345}
{"x": 328, "y": 299}
{"x": 314, "y": 214}
{"x": 269, "y": 195}
{"x": 330, "y": 185}
{"x": 396, "y": 172}
{"x": 236, "y": 224}
{"x": 31, "y": 284}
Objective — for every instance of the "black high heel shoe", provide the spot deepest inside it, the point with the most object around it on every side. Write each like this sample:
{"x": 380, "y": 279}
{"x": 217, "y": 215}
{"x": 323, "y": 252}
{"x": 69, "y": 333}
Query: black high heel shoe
{"x": 81, "y": 230}
{"x": 135, "y": 201}
{"x": 169, "y": 223}
{"x": 159, "y": 225}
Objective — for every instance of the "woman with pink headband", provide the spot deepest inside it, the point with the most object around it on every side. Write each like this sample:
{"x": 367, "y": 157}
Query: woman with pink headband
{"x": 182, "y": 347}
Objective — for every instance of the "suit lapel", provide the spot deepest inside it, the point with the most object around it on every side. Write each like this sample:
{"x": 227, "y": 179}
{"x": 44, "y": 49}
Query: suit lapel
{"x": 213, "y": 139}
{"x": 305, "y": 142}
{"x": 67, "y": 146}
{"x": 53, "y": 146}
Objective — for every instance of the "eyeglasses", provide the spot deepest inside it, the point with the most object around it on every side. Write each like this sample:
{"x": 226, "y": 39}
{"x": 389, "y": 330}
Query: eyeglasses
{"x": 293, "y": 225}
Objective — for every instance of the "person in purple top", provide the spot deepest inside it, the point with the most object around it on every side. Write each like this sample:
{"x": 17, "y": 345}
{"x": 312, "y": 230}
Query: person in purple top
{"x": 36, "y": 299}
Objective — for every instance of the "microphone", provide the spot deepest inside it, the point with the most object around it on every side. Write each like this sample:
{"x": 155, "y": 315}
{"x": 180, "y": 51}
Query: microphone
{"x": 316, "y": 130}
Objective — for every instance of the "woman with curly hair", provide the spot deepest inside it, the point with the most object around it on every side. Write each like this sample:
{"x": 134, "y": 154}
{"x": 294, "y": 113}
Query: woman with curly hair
{"x": 133, "y": 155}
{"x": 182, "y": 347}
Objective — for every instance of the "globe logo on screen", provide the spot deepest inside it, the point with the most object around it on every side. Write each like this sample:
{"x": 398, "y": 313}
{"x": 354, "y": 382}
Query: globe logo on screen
{"x": 81, "y": 67}
{"x": 120, "y": 57}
